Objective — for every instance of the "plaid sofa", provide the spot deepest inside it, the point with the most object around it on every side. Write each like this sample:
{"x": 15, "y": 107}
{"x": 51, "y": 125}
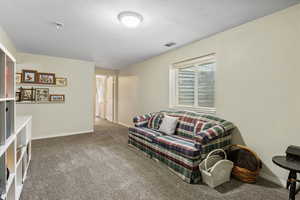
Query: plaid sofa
{"x": 195, "y": 136}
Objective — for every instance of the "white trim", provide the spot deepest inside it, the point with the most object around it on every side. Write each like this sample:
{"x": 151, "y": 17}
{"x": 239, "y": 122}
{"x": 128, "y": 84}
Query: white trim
{"x": 7, "y": 52}
{"x": 173, "y": 89}
{"x": 123, "y": 124}
{"x": 21, "y": 122}
{"x": 198, "y": 60}
{"x": 63, "y": 134}
{"x": 172, "y": 86}
{"x": 207, "y": 110}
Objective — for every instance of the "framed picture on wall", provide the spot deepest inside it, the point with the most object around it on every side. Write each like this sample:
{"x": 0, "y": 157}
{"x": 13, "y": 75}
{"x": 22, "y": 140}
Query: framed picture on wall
{"x": 18, "y": 78}
{"x": 42, "y": 94}
{"x": 27, "y": 94}
{"x": 57, "y": 97}
{"x": 62, "y": 82}
{"x": 29, "y": 76}
{"x": 46, "y": 78}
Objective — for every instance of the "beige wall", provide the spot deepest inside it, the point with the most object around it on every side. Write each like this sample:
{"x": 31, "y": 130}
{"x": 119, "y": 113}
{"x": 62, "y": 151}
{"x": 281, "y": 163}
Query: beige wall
{"x": 257, "y": 83}
{"x": 109, "y": 72}
{"x": 76, "y": 115}
{"x": 7, "y": 43}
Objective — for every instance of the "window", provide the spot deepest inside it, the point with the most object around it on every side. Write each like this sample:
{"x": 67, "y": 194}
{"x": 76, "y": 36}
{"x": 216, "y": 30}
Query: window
{"x": 192, "y": 84}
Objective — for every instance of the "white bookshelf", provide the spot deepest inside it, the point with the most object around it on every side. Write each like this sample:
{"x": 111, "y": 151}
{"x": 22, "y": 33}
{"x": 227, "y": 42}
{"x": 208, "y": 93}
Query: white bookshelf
{"x": 15, "y": 133}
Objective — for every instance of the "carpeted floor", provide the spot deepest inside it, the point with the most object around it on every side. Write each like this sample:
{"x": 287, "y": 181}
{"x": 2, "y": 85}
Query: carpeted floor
{"x": 100, "y": 166}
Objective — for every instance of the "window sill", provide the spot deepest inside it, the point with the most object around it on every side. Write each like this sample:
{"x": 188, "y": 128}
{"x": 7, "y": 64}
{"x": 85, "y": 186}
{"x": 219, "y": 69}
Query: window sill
{"x": 205, "y": 110}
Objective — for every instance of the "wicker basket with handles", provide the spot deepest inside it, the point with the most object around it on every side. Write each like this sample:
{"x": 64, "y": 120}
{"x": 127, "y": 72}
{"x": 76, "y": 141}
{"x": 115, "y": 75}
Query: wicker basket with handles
{"x": 242, "y": 173}
{"x": 215, "y": 169}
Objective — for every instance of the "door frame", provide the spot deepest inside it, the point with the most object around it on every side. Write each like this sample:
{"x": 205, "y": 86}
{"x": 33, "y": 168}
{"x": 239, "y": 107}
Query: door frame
{"x": 114, "y": 96}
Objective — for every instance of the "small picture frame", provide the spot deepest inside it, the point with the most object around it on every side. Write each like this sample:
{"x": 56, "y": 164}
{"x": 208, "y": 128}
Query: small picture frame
{"x": 27, "y": 94}
{"x": 42, "y": 95}
{"x": 57, "y": 98}
{"x": 18, "y": 96}
{"x": 62, "y": 82}
{"x": 29, "y": 76}
{"x": 18, "y": 78}
{"x": 46, "y": 78}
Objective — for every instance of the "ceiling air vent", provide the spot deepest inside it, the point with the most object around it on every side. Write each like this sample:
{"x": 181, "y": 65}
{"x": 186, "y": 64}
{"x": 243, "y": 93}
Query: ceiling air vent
{"x": 58, "y": 25}
{"x": 170, "y": 44}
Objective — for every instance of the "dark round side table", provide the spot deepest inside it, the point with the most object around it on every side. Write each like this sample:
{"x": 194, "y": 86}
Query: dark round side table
{"x": 294, "y": 168}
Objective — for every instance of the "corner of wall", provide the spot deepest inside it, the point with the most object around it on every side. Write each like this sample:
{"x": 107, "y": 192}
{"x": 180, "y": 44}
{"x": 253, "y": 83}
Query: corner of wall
{"x": 6, "y": 41}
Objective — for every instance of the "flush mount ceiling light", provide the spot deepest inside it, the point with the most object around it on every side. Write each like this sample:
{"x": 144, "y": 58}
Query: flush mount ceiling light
{"x": 130, "y": 19}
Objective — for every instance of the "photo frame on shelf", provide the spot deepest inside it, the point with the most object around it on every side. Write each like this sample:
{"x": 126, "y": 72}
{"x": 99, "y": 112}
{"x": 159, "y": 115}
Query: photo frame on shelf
{"x": 27, "y": 94}
{"x": 62, "y": 82}
{"x": 29, "y": 76}
{"x": 42, "y": 95}
{"x": 57, "y": 98}
{"x": 46, "y": 78}
{"x": 18, "y": 96}
{"x": 18, "y": 78}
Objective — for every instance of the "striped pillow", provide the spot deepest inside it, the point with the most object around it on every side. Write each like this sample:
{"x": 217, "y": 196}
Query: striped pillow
{"x": 201, "y": 126}
{"x": 155, "y": 121}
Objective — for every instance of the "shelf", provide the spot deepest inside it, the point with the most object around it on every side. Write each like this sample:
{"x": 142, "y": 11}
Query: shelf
{"x": 3, "y": 196}
{"x": 8, "y": 142}
{"x": 9, "y": 181}
{"x": 9, "y": 77}
{"x": 38, "y": 84}
{"x": 21, "y": 157}
{"x": 10, "y": 118}
{"x": 26, "y": 170}
{"x": 21, "y": 122}
{"x": 40, "y": 102}
{"x": 9, "y": 124}
{"x": 2, "y": 74}
{"x": 7, "y": 99}
{"x": 19, "y": 191}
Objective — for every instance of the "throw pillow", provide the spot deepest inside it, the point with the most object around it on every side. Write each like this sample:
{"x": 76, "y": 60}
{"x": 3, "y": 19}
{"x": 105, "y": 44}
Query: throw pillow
{"x": 201, "y": 126}
{"x": 168, "y": 125}
{"x": 155, "y": 121}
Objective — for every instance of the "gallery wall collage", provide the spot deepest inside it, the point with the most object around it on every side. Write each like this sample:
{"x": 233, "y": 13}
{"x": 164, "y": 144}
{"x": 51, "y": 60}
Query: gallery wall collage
{"x": 34, "y": 87}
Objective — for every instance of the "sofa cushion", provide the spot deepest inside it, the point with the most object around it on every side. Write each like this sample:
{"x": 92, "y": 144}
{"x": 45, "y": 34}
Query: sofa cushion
{"x": 168, "y": 125}
{"x": 155, "y": 121}
{"x": 142, "y": 120}
{"x": 202, "y": 125}
{"x": 180, "y": 144}
{"x": 208, "y": 135}
{"x": 189, "y": 126}
{"x": 145, "y": 133}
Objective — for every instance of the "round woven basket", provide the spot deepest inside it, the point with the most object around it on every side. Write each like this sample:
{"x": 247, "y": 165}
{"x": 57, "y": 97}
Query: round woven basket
{"x": 244, "y": 174}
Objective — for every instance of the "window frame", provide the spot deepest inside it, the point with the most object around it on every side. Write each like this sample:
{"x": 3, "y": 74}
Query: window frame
{"x": 173, "y": 85}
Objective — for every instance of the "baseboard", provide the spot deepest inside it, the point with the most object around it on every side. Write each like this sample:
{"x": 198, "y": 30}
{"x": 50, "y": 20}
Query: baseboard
{"x": 63, "y": 134}
{"x": 122, "y": 124}
{"x": 273, "y": 179}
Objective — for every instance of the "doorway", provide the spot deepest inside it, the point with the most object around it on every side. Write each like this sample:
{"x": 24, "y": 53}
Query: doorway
{"x": 105, "y": 96}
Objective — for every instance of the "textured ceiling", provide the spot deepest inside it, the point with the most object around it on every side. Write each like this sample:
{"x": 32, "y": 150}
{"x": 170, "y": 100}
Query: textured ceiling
{"x": 92, "y": 32}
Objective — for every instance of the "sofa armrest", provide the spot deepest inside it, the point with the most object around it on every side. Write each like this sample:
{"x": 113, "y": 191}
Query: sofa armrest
{"x": 142, "y": 120}
{"x": 218, "y": 131}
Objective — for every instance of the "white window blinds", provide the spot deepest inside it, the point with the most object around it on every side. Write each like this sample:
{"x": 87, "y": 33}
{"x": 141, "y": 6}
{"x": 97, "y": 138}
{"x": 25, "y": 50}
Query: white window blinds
{"x": 194, "y": 83}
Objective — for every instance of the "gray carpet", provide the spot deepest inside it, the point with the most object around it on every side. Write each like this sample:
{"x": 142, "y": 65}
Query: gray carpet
{"x": 100, "y": 165}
